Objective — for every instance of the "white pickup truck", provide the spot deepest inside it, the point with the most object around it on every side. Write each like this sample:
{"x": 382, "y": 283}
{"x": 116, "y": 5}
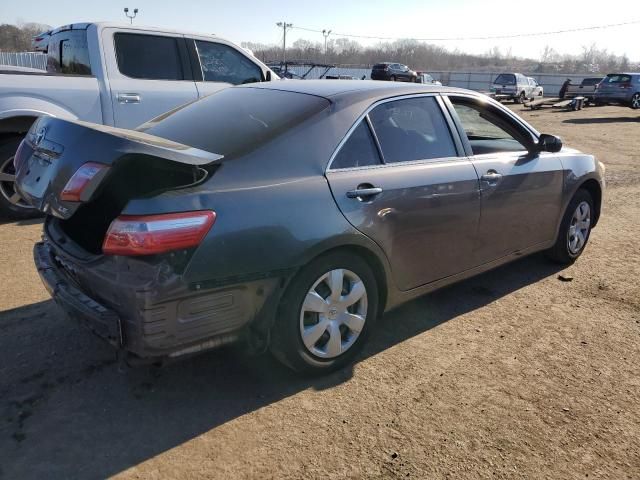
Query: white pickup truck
{"x": 113, "y": 74}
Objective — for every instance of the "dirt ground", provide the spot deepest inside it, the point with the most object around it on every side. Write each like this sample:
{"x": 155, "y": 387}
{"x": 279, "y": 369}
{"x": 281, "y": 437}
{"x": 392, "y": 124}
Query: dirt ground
{"x": 513, "y": 374}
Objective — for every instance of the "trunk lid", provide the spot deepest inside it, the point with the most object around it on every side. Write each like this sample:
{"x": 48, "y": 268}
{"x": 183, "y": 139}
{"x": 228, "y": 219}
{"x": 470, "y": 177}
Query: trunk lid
{"x": 55, "y": 149}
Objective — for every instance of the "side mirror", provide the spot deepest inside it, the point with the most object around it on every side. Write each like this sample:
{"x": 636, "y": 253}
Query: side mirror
{"x": 549, "y": 143}
{"x": 267, "y": 76}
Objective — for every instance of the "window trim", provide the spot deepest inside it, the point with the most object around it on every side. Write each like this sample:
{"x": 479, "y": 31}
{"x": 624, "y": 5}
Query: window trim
{"x": 187, "y": 75}
{"x": 453, "y": 131}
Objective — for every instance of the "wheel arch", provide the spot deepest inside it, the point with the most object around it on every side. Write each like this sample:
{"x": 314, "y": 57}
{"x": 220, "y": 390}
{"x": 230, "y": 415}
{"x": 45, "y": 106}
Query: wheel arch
{"x": 595, "y": 190}
{"x": 17, "y": 125}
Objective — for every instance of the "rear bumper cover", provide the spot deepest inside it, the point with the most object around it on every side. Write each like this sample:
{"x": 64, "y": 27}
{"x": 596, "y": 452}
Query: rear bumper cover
{"x": 153, "y": 315}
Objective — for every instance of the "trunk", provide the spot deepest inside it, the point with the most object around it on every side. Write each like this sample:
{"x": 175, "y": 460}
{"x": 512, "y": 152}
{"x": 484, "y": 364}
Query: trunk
{"x": 133, "y": 165}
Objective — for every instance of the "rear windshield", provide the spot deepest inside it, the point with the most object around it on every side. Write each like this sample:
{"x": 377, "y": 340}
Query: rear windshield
{"x": 237, "y": 120}
{"x": 617, "y": 78}
{"x": 587, "y": 82}
{"x": 506, "y": 79}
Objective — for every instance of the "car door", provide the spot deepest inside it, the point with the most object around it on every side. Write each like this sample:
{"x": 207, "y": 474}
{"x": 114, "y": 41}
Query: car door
{"x": 399, "y": 178}
{"x": 219, "y": 65}
{"x": 521, "y": 192}
{"x": 148, "y": 74}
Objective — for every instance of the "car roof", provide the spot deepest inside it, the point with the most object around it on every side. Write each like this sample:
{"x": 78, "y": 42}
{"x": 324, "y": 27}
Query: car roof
{"x": 332, "y": 89}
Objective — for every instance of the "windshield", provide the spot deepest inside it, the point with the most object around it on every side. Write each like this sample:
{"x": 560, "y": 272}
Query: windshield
{"x": 236, "y": 120}
{"x": 506, "y": 79}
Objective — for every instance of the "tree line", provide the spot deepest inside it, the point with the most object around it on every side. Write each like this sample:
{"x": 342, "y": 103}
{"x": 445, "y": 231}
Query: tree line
{"x": 18, "y": 38}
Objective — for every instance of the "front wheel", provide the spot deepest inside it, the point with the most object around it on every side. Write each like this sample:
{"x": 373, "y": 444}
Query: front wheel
{"x": 11, "y": 204}
{"x": 326, "y": 314}
{"x": 635, "y": 101}
{"x": 575, "y": 229}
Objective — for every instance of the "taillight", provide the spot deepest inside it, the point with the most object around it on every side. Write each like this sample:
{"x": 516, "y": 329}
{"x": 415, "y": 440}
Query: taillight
{"x": 17, "y": 158}
{"x": 625, "y": 85}
{"x": 153, "y": 234}
{"x": 78, "y": 183}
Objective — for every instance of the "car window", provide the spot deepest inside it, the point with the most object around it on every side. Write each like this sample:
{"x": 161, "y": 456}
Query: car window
{"x": 359, "y": 150}
{"x": 151, "y": 57}
{"x": 617, "y": 78}
{"x": 487, "y": 130}
{"x": 222, "y": 63}
{"x": 412, "y": 129}
{"x": 506, "y": 79}
{"x": 68, "y": 53}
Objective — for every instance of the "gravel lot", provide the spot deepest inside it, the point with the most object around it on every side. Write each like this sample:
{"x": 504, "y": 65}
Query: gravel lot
{"x": 513, "y": 374}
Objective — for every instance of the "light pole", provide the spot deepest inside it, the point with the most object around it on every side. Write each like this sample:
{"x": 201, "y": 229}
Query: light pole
{"x": 325, "y": 34}
{"x": 284, "y": 26}
{"x": 130, "y": 17}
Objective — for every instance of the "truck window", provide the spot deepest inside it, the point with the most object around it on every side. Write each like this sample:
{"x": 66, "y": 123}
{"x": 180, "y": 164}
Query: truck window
{"x": 151, "y": 57}
{"x": 68, "y": 53}
{"x": 222, "y": 63}
{"x": 505, "y": 79}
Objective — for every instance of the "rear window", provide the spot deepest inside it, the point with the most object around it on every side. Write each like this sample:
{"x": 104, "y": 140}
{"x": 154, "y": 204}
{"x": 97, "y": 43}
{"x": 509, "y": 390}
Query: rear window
{"x": 506, "y": 79}
{"x": 151, "y": 57}
{"x": 68, "y": 53}
{"x": 379, "y": 66}
{"x": 237, "y": 120}
{"x": 617, "y": 78}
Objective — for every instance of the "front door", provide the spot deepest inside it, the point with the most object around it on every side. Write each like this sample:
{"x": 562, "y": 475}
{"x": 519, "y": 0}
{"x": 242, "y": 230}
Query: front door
{"x": 148, "y": 75}
{"x": 399, "y": 179}
{"x": 521, "y": 191}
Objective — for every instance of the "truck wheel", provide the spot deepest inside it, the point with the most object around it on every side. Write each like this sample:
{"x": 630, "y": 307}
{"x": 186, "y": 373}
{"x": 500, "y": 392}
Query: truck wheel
{"x": 11, "y": 205}
{"x": 635, "y": 101}
{"x": 520, "y": 98}
{"x": 326, "y": 314}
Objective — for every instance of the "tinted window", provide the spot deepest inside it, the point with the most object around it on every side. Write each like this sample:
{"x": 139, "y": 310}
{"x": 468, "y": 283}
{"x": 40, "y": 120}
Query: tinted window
{"x": 412, "y": 129}
{"x": 359, "y": 150}
{"x": 587, "y": 82}
{"x": 237, "y": 120}
{"x": 506, "y": 79}
{"x": 221, "y": 63}
{"x": 487, "y": 130}
{"x": 68, "y": 53}
{"x": 148, "y": 56}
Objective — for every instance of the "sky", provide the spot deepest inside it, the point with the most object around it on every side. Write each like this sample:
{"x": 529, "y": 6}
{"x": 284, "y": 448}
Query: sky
{"x": 255, "y": 21}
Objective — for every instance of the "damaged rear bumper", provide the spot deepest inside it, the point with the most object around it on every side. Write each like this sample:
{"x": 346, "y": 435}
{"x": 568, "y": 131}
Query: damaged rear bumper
{"x": 150, "y": 313}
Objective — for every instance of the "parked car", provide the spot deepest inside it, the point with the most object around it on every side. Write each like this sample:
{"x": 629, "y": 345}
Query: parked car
{"x": 120, "y": 75}
{"x": 514, "y": 86}
{"x": 292, "y": 215}
{"x": 586, "y": 88}
{"x": 393, "y": 72}
{"x": 425, "y": 78}
{"x": 536, "y": 88}
{"x": 619, "y": 89}
{"x": 40, "y": 43}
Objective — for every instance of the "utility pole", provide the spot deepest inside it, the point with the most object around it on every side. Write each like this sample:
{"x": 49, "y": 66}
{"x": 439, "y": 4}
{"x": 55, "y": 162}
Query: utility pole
{"x": 325, "y": 34}
{"x": 130, "y": 17}
{"x": 284, "y": 26}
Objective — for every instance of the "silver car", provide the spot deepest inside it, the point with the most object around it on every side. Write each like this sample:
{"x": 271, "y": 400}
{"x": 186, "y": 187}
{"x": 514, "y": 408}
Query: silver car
{"x": 292, "y": 214}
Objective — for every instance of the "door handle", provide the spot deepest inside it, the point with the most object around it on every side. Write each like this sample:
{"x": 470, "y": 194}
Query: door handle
{"x": 491, "y": 176}
{"x": 128, "y": 98}
{"x": 364, "y": 193}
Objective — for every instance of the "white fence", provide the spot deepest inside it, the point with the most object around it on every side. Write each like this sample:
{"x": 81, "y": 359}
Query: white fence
{"x": 24, "y": 59}
{"x": 480, "y": 81}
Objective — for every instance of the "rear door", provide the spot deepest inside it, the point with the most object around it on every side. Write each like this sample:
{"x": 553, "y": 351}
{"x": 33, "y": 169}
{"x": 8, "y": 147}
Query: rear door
{"x": 399, "y": 178}
{"x": 521, "y": 192}
{"x": 149, "y": 74}
{"x": 218, "y": 65}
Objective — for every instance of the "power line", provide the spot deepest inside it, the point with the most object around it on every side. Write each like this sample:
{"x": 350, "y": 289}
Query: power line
{"x": 488, "y": 37}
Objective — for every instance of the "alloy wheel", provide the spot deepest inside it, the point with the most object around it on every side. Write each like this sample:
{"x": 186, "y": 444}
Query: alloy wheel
{"x": 8, "y": 184}
{"x": 333, "y": 313}
{"x": 579, "y": 228}
{"x": 635, "y": 101}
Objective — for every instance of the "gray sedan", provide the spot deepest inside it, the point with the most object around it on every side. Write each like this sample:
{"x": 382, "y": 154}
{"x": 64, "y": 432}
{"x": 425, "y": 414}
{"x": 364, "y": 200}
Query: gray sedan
{"x": 291, "y": 215}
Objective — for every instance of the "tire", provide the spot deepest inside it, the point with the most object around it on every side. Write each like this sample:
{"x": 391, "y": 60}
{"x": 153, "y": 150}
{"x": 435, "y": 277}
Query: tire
{"x": 520, "y": 98}
{"x": 311, "y": 286}
{"x": 635, "y": 101}
{"x": 568, "y": 246}
{"x": 11, "y": 205}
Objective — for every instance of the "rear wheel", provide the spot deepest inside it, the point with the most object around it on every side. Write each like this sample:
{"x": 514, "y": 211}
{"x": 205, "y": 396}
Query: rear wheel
{"x": 635, "y": 101}
{"x": 11, "y": 204}
{"x": 574, "y": 229}
{"x": 326, "y": 315}
{"x": 520, "y": 98}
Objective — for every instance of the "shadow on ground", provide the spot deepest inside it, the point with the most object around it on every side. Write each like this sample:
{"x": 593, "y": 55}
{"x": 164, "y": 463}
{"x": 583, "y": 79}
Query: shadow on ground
{"x": 595, "y": 120}
{"x": 67, "y": 411}
{"x": 28, "y": 221}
